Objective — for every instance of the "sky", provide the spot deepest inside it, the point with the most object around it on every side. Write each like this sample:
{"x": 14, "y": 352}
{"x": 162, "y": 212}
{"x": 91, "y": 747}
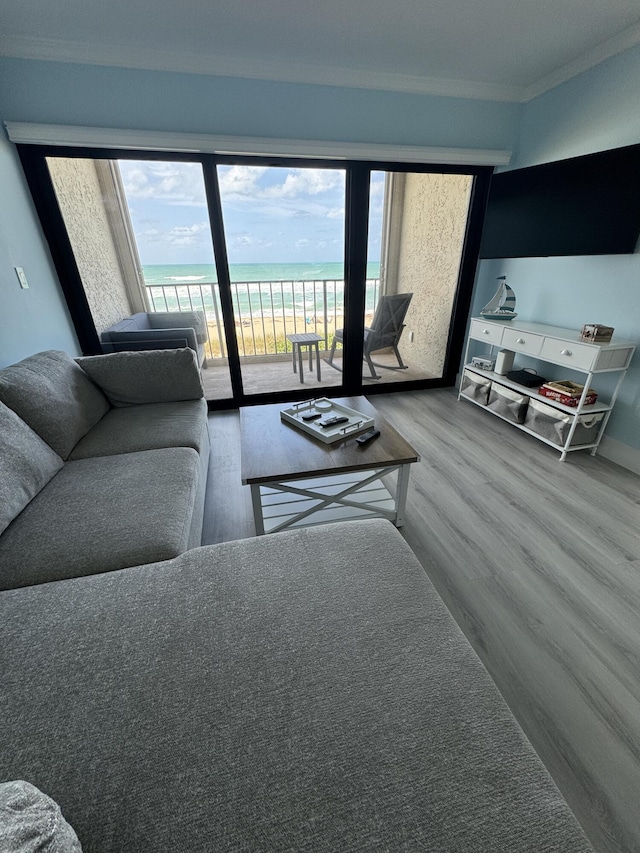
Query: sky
{"x": 271, "y": 215}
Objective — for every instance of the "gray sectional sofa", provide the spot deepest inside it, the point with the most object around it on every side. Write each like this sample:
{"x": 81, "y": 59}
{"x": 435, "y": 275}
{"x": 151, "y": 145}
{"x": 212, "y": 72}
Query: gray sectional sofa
{"x": 306, "y": 691}
{"x": 103, "y": 463}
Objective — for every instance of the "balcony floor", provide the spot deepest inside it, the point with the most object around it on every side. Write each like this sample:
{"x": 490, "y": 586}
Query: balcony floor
{"x": 259, "y": 377}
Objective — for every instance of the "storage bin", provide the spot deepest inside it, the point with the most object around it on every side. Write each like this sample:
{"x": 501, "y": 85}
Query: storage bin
{"x": 554, "y": 425}
{"x": 475, "y": 387}
{"x": 510, "y": 404}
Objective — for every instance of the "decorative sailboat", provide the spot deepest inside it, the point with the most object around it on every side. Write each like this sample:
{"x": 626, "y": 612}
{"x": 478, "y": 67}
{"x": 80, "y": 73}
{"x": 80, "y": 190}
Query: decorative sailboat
{"x": 503, "y": 304}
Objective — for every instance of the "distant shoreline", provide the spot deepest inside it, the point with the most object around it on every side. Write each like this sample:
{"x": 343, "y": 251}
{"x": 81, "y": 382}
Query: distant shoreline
{"x": 186, "y": 274}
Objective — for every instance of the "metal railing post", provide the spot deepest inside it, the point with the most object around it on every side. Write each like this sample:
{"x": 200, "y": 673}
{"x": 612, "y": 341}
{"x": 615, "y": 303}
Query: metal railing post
{"x": 325, "y": 313}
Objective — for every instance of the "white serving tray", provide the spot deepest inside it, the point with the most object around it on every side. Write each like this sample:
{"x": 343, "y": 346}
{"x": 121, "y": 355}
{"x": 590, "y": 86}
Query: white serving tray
{"x": 357, "y": 421}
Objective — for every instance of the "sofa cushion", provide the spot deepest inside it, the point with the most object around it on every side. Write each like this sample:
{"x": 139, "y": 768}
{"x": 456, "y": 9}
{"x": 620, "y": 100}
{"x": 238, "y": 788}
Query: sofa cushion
{"x": 101, "y": 514}
{"x": 27, "y": 463}
{"x": 149, "y": 427}
{"x": 31, "y": 822}
{"x": 152, "y": 376}
{"x": 54, "y": 396}
{"x": 306, "y": 691}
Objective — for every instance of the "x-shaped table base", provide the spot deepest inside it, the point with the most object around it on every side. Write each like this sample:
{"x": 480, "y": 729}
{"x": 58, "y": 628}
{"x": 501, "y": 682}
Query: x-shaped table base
{"x": 319, "y": 500}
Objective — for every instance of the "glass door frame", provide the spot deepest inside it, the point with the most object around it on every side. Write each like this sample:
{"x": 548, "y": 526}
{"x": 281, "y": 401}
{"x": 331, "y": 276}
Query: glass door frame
{"x": 358, "y": 176}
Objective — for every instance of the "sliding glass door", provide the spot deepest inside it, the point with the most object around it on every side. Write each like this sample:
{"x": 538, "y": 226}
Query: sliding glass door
{"x": 417, "y": 230}
{"x": 289, "y": 278}
{"x": 141, "y": 239}
{"x": 284, "y": 234}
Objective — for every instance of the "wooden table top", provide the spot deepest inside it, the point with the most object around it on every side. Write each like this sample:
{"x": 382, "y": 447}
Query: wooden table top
{"x": 273, "y": 450}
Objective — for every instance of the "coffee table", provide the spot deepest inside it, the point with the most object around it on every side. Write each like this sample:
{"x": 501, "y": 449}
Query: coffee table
{"x": 297, "y": 481}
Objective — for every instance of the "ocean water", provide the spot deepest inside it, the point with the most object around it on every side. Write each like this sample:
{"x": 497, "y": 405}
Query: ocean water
{"x": 292, "y": 289}
{"x": 197, "y": 273}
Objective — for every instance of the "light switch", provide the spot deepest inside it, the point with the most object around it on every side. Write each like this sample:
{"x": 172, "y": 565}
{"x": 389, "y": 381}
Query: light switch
{"x": 24, "y": 284}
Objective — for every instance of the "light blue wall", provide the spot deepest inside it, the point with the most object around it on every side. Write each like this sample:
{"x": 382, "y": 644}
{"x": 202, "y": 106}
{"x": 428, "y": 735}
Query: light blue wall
{"x": 37, "y": 318}
{"x": 59, "y": 93}
{"x": 595, "y": 111}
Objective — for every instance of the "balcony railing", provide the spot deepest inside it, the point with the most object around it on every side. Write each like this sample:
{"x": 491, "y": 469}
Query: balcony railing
{"x": 265, "y": 312}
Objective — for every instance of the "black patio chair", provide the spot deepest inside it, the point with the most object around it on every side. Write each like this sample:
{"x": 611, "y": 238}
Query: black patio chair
{"x": 383, "y": 333}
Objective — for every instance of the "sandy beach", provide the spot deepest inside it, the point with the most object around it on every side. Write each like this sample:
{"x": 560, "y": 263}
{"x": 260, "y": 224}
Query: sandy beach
{"x": 268, "y": 335}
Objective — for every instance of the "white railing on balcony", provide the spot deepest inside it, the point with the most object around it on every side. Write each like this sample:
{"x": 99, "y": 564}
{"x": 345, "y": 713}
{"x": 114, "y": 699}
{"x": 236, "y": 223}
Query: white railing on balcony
{"x": 265, "y": 312}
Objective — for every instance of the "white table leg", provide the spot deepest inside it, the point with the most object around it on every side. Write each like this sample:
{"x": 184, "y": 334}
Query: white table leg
{"x": 402, "y": 487}
{"x": 256, "y": 501}
{"x": 300, "y": 363}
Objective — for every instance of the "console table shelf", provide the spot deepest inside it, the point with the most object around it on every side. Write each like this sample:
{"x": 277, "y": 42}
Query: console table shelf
{"x": 548, "y": 345}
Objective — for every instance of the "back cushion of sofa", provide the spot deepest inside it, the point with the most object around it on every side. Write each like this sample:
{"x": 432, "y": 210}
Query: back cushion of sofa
{"x": 151, "y": 376}
{"x": 27, "y": 464}
{"x": 55, "y": 397}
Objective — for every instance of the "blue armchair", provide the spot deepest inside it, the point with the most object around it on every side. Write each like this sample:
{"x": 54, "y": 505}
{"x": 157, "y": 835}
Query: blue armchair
{"x": 158, "y": 330}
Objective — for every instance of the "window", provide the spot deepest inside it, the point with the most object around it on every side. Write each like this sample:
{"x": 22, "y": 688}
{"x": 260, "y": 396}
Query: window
{"x": 263, "y": 249}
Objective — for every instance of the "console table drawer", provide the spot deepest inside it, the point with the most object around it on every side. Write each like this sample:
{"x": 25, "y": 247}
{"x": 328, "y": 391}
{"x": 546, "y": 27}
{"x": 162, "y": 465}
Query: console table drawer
{"x": 489, "y": 332}
{"x": 579, "y": 356}
{"x": 525, "y": 342}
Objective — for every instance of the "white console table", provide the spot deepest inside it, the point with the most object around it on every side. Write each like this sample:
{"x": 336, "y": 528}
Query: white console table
{"x": 557, "y": 346}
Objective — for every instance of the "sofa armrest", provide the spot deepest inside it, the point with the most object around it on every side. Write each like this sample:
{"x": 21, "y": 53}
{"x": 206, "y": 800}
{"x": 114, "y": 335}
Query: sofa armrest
{"x": 149, "y": 376}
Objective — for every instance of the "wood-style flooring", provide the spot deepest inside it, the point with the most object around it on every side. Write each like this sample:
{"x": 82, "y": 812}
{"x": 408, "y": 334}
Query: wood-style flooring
{"x": 539, "y": 562}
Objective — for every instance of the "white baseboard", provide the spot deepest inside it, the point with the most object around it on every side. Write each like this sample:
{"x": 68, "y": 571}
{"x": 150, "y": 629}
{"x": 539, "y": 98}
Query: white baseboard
{"x": 622, "y": 454}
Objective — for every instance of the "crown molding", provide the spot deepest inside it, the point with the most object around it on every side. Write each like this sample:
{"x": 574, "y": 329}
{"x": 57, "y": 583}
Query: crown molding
{"x": 151, "y": 140}
{"x": 605, "y": 50}
{"x": 252, "y": 68}
{"x": 256, "y": 68}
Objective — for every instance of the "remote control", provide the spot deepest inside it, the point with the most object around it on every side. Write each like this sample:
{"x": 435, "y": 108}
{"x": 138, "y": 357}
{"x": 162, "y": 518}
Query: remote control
{"x": 333, "y": 421}
{"x": 367, "y": 436}
{"x": 312, "y": 416}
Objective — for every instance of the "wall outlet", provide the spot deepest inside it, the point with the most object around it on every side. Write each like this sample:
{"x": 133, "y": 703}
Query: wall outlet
{"x": 24, "y": 284}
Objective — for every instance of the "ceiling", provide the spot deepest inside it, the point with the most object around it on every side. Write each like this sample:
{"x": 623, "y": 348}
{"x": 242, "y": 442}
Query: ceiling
{"x": 508, "y": 50}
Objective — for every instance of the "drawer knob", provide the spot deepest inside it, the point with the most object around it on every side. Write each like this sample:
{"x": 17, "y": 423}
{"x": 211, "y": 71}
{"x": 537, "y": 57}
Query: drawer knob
{"x": 566, "y": 352}
{"x": 485, "y": 331}
{"x": 520, "y": 341}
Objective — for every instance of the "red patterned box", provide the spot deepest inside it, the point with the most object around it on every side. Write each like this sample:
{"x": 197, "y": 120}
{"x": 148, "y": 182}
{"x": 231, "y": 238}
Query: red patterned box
{"x": 567, "y": 392}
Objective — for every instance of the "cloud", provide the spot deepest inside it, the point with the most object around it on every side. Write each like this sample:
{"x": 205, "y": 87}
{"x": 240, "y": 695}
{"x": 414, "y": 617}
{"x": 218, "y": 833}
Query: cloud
{"x": 197, "y": 234}
{"x": 304, "y": 182}
{"x": 258, "y": 182}
{"x": 270, "y": 213}
{"x": 172, "y": 183}
{"x": 240, "y": 181}
{"x": 246, "y": 241}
